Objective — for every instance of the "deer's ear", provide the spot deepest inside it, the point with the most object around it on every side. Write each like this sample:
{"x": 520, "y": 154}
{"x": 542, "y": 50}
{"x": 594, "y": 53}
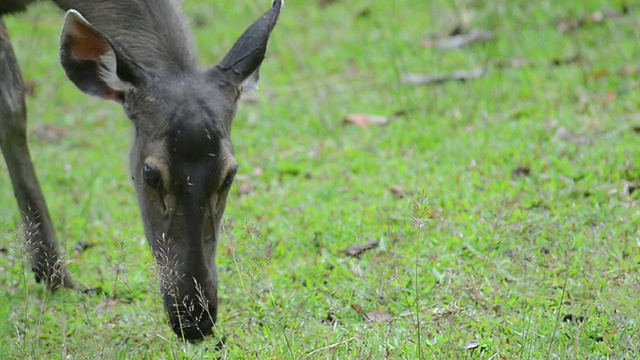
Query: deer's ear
{"x": 93, "y": 63}
{"x": 241, "y": 65}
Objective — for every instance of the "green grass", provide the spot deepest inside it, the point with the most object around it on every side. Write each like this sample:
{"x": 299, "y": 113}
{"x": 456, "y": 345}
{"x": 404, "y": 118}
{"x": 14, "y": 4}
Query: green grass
{"x": 500, "y": 259}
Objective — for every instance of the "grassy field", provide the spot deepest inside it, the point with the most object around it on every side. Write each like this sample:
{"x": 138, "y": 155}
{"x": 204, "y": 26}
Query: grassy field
{"x": 503, "y": 207}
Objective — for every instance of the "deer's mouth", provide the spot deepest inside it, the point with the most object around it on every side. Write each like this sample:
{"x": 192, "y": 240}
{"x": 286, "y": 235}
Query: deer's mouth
{"x": 193, "y": 324}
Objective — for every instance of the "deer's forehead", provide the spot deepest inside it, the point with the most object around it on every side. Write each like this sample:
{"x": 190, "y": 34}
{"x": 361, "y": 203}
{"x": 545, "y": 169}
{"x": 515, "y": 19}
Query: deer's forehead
{"x": 179, "y": 116}
{"x": 194, "y": 140}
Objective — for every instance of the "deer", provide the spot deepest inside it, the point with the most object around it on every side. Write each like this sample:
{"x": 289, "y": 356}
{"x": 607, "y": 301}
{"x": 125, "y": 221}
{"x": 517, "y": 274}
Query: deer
{"x": 141, "y": 54}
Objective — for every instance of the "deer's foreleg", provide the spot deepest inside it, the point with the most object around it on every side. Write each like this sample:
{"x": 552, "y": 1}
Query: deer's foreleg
{"x": 41, "y": 241}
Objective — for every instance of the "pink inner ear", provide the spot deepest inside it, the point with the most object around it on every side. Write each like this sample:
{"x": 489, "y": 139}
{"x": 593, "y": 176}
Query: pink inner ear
{"x": 113, "y": 96}
{"x": 86, "y": 43}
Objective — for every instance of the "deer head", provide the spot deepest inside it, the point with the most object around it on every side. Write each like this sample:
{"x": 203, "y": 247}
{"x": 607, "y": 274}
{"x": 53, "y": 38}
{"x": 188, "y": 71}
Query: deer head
{"x": 182, "y": 159}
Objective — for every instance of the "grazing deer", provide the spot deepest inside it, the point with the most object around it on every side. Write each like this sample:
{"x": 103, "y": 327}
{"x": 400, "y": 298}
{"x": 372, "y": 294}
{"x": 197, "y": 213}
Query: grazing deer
{"x": 140, "y": 54}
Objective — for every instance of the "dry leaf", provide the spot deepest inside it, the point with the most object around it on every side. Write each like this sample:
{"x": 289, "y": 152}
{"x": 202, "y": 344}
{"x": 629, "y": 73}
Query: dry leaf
{"x": 377, "y": 316}
{"x": 228, "y": 251}
{"x": 514, "y": 63}
{"x": 576, "y": 59}
{"x": 458, "y": 75}
{"x": 364, "y": 120}
{"x": 610, "y": 96}
{"x": 460, "y": 39}
{"x": 359, "y": 249}
{"x": 245, "y": 189}
{"x": 596, "y": 17}
{"x": 473, "y": 344}
{"x": 358, "y": 309}
{"x": 397, "y": 191}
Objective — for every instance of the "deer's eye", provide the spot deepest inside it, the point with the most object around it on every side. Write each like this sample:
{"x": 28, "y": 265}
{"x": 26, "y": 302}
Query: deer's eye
{"x": 151, "y": 176}
{"x": 228, "y": 180}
